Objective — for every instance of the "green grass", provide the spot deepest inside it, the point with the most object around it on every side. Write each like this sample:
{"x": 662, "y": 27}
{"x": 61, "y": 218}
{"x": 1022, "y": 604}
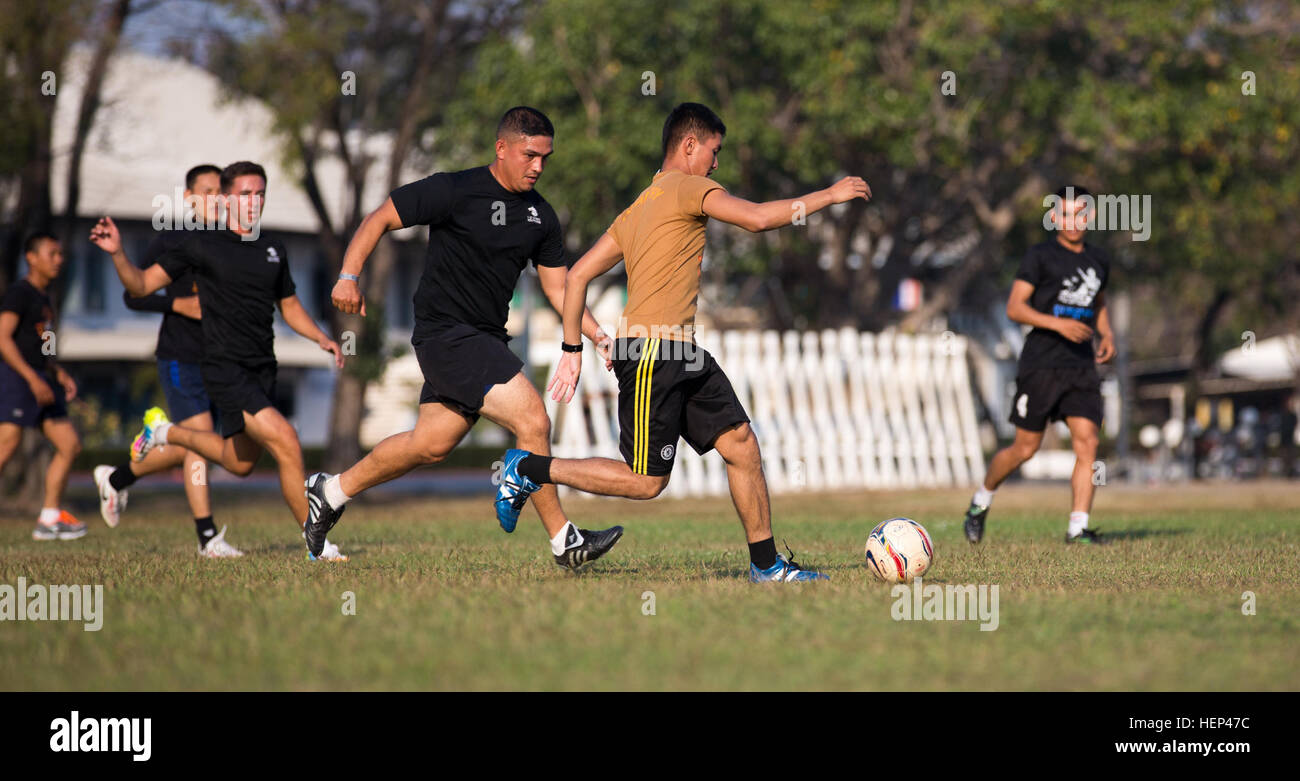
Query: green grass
{"x": 444, "y": 600}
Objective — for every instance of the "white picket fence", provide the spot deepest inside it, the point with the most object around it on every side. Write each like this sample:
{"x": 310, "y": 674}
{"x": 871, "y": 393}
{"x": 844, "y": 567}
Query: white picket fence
{"x": 836, "y": 409}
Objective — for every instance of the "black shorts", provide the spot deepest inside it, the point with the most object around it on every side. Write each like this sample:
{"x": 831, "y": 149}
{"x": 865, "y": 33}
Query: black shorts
{"x": 667, "y": 389}
{"x": 18, "y": 404}
{"x": 1044, "y": 395}
{"x": 183, "y": 388}
{"x": 460, "y": 365}
{"x": 235, "y": 389}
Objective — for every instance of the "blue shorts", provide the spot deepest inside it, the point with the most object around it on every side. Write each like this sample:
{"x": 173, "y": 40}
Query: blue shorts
{"x": 18, "y": 405}
{"x": 183, "y": 386}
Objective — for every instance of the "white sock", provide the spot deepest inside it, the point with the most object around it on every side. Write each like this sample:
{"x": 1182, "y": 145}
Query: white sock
{"x": 48, "y": 515}
{"x": 160, "y": 433}
{"x": 562, "y": 541}
{"x": 983, "y": 496}
{"x": 1078, "y": 522}
{"x": 334, "y": 492}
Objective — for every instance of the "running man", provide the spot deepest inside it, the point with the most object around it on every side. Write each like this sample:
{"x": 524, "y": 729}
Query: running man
{"x": 1060, "y": 291}
{"x": 243, "y": 275}
{"x": 485, "y": 224}
{"x": 180, "y": 356}
{"x": 667, "y": 386}
{"x": 34, "y": 390}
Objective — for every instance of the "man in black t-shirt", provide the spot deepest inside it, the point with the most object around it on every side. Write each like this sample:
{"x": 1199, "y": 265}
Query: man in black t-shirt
{"x": 1060, "y": 291}
{"x": 34, "y": 390}
{"x": 179, "y": 355}
{"x": 485, "y": 224}
{"x": 243, "y": 275}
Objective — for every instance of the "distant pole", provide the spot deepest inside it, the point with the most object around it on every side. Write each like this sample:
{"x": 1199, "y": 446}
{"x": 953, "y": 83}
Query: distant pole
{"x": 1122, "y": 317}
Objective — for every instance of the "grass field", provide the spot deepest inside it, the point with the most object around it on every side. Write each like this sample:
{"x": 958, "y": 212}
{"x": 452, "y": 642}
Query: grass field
{"x": 444, "y": 600}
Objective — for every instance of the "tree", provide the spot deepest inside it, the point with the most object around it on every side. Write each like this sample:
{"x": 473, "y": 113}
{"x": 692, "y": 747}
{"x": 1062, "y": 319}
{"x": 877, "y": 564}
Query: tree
{"x": 366, "y": 83}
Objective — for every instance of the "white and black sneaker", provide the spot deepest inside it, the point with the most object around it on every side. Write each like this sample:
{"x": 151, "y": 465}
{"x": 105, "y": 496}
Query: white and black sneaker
{"x": 321, "y": 516}
{"x": 111, "y": 501}
{"x": 585, "y": 546}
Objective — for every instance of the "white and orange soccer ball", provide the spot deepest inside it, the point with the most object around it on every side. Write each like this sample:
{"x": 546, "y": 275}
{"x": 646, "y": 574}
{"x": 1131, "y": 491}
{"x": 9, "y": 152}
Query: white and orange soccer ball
{"x": 898, "y": 550}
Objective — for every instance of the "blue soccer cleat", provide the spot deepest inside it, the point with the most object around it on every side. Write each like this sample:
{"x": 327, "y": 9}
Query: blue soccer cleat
{"x": 783, "y": 571}
{"x": 514, "y": 491}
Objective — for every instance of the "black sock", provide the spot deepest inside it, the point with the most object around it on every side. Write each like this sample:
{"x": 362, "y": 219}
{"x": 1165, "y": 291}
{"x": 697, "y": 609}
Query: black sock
{"x": 763, "y": 553}
{"x": 122, "y": 476}
{"x": 536, "y": 468}
{"x": 207, "y": 529}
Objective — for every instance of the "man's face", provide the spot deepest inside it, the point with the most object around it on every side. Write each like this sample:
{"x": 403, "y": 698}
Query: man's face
{"x": 702, "y": 155}
{"x": 202, "y": 199}
{"x": 47, "y": 259}
{"x": 520, "y": 160}
{"x": 244, "y": 200}
{"x": 1074, "y": 220}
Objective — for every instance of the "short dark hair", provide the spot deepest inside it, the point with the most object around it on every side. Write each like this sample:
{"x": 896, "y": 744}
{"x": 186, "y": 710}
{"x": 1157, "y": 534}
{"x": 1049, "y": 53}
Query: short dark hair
{"x": 691, "y": 119}
{"x": 34, "y": 240}
{"x": 1079, "y": 191}
{"x": 526, "y": 121}
{"x": 192, "y": 175}
{"x": 235, "y": 170}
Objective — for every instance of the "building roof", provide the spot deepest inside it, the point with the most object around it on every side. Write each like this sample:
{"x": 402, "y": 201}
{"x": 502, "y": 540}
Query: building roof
{"x": 160, "y": 117}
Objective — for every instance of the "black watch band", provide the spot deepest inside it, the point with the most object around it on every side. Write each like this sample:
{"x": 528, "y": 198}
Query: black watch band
{"x": 571, "y": 348}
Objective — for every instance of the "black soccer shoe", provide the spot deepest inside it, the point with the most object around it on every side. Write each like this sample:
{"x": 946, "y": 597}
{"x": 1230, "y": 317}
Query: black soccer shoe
{"x": 1087, "y": 537}
{"x": 594, "y": 545}
{"x": 321, "y": 517}
{"x": 974, "y": 525}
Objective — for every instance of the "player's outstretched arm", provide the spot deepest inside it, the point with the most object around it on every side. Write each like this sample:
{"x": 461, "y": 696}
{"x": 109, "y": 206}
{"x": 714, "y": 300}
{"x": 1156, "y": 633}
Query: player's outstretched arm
{"x": 552, "y": 281}
{"x": 138, "y": 282}
{"x": 293, "y": 312}
{"x": 347, "y": 294}
{"x": 602, "y": 257}
{"x": 758, "y": 217}
{"x": 1019, "y": 311}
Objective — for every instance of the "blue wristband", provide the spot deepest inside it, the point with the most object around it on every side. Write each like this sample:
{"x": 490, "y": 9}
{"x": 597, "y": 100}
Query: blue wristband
{"x": 349, "y": 277}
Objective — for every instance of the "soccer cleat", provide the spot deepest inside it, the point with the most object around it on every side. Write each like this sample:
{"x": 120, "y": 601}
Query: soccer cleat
{"x": 218, "y": 548}
{"x": 1087, "y": 537}
{"x": 144, "y": 441}
{"x": 321, "y": 516}
{"x": 514, "y": 491}
{"x": 783, "y": 571}
{"x": 330, "y": 552}
{"x": 66, "y": 528}
{"x": 111, "y": 501}
{"x": 974, "y": 525}
{"x": 592, "y": 546}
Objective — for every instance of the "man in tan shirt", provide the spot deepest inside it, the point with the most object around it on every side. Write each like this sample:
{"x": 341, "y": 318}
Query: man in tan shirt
{"x": 667, "y": 386}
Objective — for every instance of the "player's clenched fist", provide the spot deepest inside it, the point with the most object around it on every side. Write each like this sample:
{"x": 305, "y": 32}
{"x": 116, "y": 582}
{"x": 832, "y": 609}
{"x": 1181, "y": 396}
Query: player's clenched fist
{"x": 850, "y": 187}
{"x": 347, "y": 298}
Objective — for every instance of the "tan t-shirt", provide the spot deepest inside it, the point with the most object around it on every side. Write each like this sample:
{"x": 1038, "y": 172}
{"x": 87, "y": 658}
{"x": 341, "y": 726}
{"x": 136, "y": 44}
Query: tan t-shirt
{"x": 662, "y": 238}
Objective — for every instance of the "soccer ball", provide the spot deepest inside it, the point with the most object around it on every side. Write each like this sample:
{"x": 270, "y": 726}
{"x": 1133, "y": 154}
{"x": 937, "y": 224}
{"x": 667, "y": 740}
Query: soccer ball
{"x": 898, "y": 550}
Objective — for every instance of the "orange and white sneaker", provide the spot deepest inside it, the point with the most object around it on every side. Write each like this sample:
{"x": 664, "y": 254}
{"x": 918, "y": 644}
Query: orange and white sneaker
{"x": 65, "y": 528}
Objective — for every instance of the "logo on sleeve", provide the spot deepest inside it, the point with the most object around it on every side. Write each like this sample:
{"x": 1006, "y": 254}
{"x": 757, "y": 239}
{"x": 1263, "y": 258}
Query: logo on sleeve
{"x": 533, "y": 216}
{"x": 272, "y": 256}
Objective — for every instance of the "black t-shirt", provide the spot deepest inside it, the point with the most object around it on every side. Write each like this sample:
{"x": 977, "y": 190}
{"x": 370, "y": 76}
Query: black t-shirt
{"x": 240, "y": 284}
{"x": 180, "y": 338}
{"x": 35, "y": 317}
{"x": 1066, "y": 284}
{"x": 481, "y": 236}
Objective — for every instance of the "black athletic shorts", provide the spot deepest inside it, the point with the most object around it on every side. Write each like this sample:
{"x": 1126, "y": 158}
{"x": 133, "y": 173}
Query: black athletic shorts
{"x": 235, "y": 389}
{"x": 1044, "y": 395}
{"x": 666, "y": 389}
{"x": 460, "y": 365}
